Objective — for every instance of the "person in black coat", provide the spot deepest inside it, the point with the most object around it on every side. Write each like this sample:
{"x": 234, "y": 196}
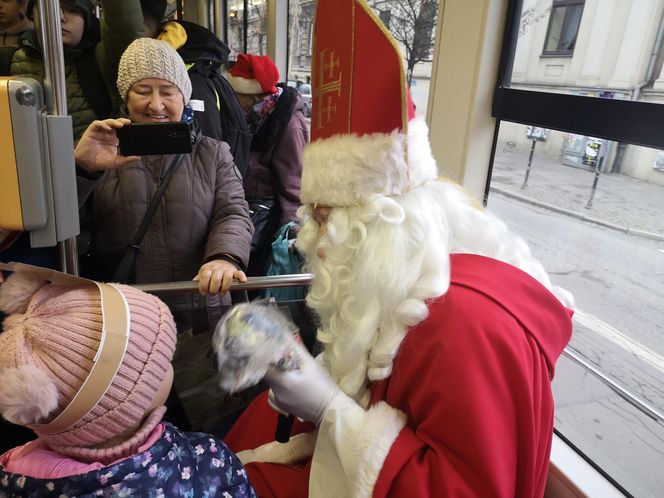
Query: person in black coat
{"x": 215, "y": 104}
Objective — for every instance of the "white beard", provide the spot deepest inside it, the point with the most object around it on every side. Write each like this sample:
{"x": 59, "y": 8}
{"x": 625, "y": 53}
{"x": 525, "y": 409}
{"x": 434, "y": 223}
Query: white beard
{"x": 369, "y": 289}
{"x": 383, "y": 262}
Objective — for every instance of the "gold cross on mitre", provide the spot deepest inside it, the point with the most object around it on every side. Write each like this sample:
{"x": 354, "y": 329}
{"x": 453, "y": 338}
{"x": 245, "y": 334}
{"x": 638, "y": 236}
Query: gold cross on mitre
{"x": 327, "y": 86}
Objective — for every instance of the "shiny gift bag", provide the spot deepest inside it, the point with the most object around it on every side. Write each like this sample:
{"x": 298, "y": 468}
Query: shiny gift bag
{"x": 206, "y": 406}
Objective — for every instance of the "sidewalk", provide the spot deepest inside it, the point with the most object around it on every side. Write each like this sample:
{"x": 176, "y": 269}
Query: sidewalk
{"x": 620, "y": 202}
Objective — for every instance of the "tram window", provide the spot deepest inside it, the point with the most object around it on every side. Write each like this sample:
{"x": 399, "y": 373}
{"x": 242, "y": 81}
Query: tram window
{"x": 247, "y": 29}
{"x": 235, "y": 28}
{"x": 578, "y": 170}
{"x": 301, "y": 29}
{"x": 413, "y": 26}
{"x": 411, "y": 23}
{"x": 605, "y": 245}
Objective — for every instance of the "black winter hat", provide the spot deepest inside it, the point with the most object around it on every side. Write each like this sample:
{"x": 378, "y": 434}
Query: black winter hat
{"x": 85, "y": 6}
{"x": 154, "y": 9}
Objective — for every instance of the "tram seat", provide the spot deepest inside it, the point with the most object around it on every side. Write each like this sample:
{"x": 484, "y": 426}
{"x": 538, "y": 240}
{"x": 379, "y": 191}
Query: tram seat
{"x": 37, "y": 172}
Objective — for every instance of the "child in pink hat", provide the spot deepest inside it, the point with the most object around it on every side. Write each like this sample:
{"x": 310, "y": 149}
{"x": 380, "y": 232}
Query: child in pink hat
{"x": 88, "y": 369}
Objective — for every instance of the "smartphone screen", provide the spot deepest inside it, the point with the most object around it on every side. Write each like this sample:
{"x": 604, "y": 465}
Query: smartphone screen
{"x": 151, "y": 139}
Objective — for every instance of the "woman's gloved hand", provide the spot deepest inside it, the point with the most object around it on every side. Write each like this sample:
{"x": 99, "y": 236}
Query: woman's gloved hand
{"x": 306, "y": 392}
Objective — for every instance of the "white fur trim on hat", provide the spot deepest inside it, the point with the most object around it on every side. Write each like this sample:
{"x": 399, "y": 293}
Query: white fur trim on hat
{"x": 27, "y": 395}
{"x": 346, "y": 170}
{"x": 244, "y": 85}
{"x": 16, "y": 292}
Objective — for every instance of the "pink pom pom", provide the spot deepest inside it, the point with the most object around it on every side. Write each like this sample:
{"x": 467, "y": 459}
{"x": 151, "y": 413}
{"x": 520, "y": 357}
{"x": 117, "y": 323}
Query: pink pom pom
{"x": 16, "y": 292}
{"x": 27, "y": 394}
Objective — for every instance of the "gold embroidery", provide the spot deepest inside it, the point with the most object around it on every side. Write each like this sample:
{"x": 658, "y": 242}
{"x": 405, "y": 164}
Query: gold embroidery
{"x": 325, "y": 88}
{"x": 352, "y": 69}
{"x": 331, "y": 64}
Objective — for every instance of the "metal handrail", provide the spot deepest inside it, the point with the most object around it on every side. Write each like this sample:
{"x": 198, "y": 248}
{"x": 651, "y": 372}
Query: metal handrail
{"x": 253, "y": 283}
{"x": 620, "y": 390}
{"x": 265, "y": 282}
{"x": 55, "y": 93}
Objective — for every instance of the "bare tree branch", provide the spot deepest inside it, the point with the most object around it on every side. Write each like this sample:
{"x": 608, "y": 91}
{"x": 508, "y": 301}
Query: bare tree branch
{"x": 259, "y": 26}
{"x": 411, "y": 23}
{"x": 531, "y": 16}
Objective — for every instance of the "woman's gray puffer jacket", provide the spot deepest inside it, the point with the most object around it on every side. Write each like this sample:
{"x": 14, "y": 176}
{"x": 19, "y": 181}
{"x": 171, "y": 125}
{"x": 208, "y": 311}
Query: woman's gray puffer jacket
{"x": 202, "y": 215}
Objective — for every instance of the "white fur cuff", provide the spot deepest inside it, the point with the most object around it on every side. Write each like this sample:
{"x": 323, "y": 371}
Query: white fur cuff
{"x": 297, "y": 449}
{"x": 352, "y": 446}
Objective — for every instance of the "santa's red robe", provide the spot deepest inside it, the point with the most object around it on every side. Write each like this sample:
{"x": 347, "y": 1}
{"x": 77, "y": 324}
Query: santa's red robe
{"x": 467, "y": 411}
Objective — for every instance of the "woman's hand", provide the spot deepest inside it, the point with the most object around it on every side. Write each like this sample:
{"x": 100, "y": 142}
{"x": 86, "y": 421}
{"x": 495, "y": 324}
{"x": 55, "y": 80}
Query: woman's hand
{"x": 216, "y": 276}
{"x": 97, "y": 149}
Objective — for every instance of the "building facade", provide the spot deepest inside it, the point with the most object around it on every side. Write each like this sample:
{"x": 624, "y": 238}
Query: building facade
{"x": 601, "y": 48}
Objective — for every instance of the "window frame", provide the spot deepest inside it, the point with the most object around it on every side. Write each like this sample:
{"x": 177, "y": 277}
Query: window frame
{"x": 557, "y": 4}
{"x": 627, "y": 121}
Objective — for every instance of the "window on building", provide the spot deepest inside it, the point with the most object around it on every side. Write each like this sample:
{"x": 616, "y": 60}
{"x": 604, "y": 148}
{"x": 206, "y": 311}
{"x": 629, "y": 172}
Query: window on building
{"x": 563, "y": 27}
{"x": 384, "y": 16}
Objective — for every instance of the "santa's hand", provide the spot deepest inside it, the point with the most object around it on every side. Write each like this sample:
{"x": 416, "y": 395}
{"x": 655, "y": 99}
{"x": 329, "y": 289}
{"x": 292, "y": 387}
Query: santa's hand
{"x": 306, "y": 392}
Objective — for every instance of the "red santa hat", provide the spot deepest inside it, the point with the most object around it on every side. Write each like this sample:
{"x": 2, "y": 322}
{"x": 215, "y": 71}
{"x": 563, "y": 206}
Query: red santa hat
{"x": 254, "y": 74}
{"x": 364, "y": 138}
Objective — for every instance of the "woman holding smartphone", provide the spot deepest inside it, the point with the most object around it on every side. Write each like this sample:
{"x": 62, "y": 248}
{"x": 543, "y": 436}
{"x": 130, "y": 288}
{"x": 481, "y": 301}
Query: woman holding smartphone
{"x": 201, "y": 228}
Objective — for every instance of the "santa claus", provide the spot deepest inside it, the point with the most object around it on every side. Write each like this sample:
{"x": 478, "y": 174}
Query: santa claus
{"x": 440, "y": 330}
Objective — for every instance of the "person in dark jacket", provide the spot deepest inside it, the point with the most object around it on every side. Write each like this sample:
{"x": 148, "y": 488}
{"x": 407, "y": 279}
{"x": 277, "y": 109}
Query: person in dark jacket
{"x": 12, "y": 22}
{"x": 92, "y": 51}
{"x": 216, "y": 107}
{"x": 276, "y": 120}
{"x": 153, "y": 14}
{"x": 99, "y": 435}
{"x": 202, "y": 228}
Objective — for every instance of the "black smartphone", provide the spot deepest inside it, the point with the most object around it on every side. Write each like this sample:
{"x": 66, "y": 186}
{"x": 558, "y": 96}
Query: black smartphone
{"x": 151, "y": 139}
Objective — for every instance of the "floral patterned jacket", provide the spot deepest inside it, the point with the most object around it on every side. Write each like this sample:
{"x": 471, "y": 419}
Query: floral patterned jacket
{"x": 193, "y": 465}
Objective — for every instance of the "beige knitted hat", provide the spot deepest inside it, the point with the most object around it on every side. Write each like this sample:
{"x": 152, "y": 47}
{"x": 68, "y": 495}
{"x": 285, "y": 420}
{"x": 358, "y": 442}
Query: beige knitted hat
{"x": 149, "y": 58}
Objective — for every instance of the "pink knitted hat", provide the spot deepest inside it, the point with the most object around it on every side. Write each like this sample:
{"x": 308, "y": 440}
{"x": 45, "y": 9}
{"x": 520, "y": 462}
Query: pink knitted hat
{"x": 47, "y": 350}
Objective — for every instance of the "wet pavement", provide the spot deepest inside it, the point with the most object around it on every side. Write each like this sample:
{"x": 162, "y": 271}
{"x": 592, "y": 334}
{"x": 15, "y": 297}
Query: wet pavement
{"x": 619, "y": 202}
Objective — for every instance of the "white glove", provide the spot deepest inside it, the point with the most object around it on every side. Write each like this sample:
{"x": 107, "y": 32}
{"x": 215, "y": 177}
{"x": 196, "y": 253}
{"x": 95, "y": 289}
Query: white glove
{"x": 306, "y": 392}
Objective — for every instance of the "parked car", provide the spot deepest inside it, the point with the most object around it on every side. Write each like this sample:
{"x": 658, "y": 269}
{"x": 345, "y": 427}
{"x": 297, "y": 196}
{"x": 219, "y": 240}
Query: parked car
{"x": 305, "y": 91}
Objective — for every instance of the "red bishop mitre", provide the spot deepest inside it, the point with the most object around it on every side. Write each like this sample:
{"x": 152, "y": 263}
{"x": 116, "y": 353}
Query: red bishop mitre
{"x": 365, "y": 139}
